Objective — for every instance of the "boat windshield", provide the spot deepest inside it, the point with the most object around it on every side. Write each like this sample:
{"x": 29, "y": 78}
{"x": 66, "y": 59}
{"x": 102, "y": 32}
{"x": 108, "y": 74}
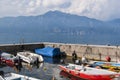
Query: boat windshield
{"x": 71, "y": 67}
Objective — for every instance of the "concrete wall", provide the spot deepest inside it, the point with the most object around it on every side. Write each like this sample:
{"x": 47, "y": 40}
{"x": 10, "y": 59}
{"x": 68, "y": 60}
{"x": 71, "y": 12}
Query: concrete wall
{"x": 97, "y": 52}
{"x": 14, "y": 48}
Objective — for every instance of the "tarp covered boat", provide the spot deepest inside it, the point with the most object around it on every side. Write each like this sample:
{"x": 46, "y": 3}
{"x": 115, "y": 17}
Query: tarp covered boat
{"x": 48, "y": 51}
{"x": 89, "y": 73}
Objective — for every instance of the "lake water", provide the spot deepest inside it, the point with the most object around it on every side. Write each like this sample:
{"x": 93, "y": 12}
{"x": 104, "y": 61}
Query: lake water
{"x": 32, "y": 37}
{"x": 45, "y": 71}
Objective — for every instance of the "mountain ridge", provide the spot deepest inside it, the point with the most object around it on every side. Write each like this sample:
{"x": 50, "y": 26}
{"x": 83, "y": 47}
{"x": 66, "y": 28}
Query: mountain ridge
{"x": 56, "y": 22}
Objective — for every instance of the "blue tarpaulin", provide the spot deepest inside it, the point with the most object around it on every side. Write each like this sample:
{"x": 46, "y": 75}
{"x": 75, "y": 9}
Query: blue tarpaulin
{"x": 48, "y": 51}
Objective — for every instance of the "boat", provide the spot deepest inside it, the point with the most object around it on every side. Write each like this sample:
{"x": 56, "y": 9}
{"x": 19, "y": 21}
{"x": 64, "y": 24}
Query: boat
{"x": 7, "y": 59}
{"x": 107, "y": 65}
{"x": 30, "y": 57}
{"x": 14, "y": 76}
{"x": 100, "y": 63}
{"x": 49, "y": 52}
{"x": 89, "y": 73}
{"x": 69, "y": 76}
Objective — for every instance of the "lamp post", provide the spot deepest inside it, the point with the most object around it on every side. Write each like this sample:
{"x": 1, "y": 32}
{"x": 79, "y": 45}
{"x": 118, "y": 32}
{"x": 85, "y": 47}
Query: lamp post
{"x": 116, "y": 52}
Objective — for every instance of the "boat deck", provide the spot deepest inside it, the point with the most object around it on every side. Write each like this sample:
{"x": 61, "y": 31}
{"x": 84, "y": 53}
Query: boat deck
{"x": 13, "y": 76}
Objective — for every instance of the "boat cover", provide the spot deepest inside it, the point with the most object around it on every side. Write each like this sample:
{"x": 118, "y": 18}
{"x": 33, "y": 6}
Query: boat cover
{"x": 48, "y": 51}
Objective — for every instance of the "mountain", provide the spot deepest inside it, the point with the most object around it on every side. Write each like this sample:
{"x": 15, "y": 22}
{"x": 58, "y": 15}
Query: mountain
{"x": 49, "y": 21}
{"x": 56, "y": 22}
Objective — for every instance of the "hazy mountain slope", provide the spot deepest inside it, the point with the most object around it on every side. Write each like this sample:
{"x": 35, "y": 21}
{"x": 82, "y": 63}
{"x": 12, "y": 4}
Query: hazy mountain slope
{"x": 55, "y": 22}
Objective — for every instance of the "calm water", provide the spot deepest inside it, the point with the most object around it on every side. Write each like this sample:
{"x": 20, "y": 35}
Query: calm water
{"x": 45, "y": 71}
{"x": 16, "y": 38}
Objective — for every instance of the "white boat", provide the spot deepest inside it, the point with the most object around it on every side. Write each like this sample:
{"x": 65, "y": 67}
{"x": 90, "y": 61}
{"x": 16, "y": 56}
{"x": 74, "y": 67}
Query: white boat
{"x": 29, "y": 57}
{"x": 14, "y": 76}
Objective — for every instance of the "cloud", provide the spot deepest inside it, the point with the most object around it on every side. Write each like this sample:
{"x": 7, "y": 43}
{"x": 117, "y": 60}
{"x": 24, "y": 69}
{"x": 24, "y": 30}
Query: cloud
{"x": 99, "y": 9}
{"x": 55, "y": 3}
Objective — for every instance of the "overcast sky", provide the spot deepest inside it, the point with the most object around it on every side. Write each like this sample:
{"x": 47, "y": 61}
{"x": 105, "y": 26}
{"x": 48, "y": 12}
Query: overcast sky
{"x": 99, "y": 9}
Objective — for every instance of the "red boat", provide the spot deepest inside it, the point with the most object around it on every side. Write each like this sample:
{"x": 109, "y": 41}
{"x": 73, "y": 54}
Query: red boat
{"x": 89, "y": 73}
{"x": 69, "y": 76}
{"x": 7, "y": 59}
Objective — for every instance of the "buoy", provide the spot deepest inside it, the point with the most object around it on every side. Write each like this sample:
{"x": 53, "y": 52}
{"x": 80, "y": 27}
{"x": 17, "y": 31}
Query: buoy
{"x": 108, "y": 58}
{"x": 45, "y": 68}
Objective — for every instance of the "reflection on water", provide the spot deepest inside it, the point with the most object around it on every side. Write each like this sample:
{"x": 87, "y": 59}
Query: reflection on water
{"x": 51, "y": 60}
{"x": 44, "y": 71}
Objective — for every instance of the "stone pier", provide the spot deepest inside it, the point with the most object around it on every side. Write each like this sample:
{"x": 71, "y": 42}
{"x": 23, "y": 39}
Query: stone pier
{"x": 96, "y": 52}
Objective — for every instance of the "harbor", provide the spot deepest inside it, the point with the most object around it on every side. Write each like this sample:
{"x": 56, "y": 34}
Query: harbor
{"x": 48, "y": 68}
{"x": 45, "y": 71}
{"x": 59, "y": 40}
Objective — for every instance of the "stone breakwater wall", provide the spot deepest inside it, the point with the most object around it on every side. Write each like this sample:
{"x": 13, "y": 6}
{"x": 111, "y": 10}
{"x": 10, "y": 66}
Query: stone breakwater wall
{"x": 96, "y": 52}
{"x": 14, "y": 48}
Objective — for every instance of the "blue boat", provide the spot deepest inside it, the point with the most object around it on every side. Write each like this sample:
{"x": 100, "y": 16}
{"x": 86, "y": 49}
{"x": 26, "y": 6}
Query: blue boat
{"x": 102, "y": 63}
{"x": 49, "y": 52}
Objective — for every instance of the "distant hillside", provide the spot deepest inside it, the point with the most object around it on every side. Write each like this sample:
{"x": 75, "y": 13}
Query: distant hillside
{"x": 56, "y": 22}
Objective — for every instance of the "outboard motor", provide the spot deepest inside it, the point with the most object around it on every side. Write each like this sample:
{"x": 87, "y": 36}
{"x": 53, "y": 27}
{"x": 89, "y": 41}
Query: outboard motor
{"x": 37, "y": 62}
{"x": 18, "y": 63}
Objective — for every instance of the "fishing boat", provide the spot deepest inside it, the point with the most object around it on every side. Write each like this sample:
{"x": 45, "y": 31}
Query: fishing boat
{"x": 14, "y": 76}
{"x": 30, "y": 57}
{"x": 7, "y": 59}
{"x": 89, "y": 73}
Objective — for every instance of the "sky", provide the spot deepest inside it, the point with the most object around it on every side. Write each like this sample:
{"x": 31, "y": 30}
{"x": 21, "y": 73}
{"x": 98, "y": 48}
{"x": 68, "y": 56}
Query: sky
{"x": 98, "y": 9}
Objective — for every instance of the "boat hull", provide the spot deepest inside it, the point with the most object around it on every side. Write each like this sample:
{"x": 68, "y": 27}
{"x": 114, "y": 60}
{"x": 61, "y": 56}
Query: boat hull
{"x": 7, "y": 59}
{"x": 7, "y": 62}
{"x": 30, "y": 57}
{"x": 86, "y": 76}
{"x": 71, "y": 77}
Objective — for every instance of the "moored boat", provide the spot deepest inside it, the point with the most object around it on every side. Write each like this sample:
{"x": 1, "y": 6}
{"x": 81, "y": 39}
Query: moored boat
{"x": 107, "y": 65}
{"x": 49, "y": 52}
{"x": 69, "y": 76}
{"x": 6, "y": 58}
{"x": 14, "y": 76}
{"x": 100, "y": 63}
{"x": 30, "y": 57}
{"x": 89, "y": 73}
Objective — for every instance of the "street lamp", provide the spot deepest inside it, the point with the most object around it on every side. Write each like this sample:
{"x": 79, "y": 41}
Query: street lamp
{"x": 116, "y": 52}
